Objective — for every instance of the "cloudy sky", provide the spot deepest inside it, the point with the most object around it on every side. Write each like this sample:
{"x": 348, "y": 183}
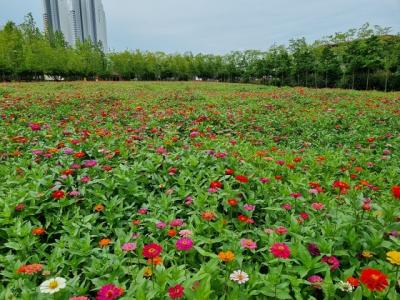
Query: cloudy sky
{"x": 219, "y": 26}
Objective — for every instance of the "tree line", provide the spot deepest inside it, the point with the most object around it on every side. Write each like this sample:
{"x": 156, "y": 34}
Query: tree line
{"x": 364, "y": 58}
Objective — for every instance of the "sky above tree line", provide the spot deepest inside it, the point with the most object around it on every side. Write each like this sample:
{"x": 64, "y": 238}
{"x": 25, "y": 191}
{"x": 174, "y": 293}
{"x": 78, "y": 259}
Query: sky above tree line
{"x": 220, "y": 26}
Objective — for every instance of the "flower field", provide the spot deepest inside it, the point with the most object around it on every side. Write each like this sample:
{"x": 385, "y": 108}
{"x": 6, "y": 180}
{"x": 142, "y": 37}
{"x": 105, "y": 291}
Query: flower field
{"x": 198, "y": 191}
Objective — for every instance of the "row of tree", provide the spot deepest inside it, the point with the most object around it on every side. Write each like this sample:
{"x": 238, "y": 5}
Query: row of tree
{"x": 364, "y": 58}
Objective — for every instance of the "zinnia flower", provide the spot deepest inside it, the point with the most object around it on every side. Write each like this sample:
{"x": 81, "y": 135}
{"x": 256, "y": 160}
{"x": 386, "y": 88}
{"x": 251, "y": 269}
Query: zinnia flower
{"x": 208, "y": 216}
{"x": 216, "y": 185}
{"x": 53, "y": 285}
{"x": 313, "y": 249}
{"x": 109, "y": 292}
{"x": 58, "y": 194}
{"x": 345, "y": 286}
{"x": 280, "y": 250}
{"x": 393, "y": 257}
{"x": 239, "y": 276}
{"x": 242, "y": 179}
{"x": 151, "y": 250}
{"x": 249, "y": 244}
{"x": 396, "y": 191}
{"x": 104, "y": 242}
{"x": 374, "y": 279}
{"x": 176, "y": 292}
{"x": 227, "y": 256}
{"x": 332, "y": 261}
{"x": 184, "y": 244}
{"x": 129, "y": 247}
{"x": 30, "y": 269}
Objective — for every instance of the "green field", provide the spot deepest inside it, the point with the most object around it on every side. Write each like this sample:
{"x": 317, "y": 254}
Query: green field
{"x": 158, "y": 190}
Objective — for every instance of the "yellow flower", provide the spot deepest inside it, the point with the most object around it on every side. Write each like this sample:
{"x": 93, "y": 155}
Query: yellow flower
{"x": 393, "y": 257}
{"x": 367, "y": 254}
{"x": 147, "y": 272}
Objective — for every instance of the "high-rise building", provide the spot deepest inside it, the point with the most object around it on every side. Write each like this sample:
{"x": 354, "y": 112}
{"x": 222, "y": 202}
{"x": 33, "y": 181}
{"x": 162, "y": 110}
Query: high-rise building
{"x": 78, "y": 20}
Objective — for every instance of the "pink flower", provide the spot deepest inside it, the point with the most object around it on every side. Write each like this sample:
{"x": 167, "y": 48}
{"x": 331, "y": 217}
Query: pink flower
{"x": 142, "y": 211}
{"x": 184, "y": 244}
{"x": 79, "y": 298}
{"x": 89, "y": 163}
{"x": 281, "y": 230}
{"x": 248, "y": 243}
{"x": 160, "y": 225}
{"x": 212, "y": 190}
{"x": 194, "y": 134}
{"x": 296, "y": 195}
{"x": 185, "y": 233}
{"x": 188, "y": 200}
{"x": 264, "y": 180}
{"x": 316, "y": 281}
{"x": 68, "y": 151}
{"x": 109, "y": 292}
{"x": 74, "y": 193}
{"x": 280, "y": 250}
{"x": 317, "y": 206}
{"x": 249, "y": 207}
{"x": 176, "y": 223}
{"x": 287, "y": 206}
{"x": 161, "y": 150}
{"x": 332, "y": 261}
{"x": 85, "y": 179}
{"x": 35, "y": 126}
{"x": 129, "y": 247}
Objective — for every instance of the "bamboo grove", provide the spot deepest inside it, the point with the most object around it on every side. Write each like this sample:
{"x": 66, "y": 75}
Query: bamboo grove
{"x": 364, "y": 58}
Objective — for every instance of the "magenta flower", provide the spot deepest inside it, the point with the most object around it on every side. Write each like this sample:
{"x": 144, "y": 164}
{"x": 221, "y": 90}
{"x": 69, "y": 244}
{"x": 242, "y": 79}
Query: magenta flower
{"x": 317, "y": 206}
{"x": 109, "y": 292}
{"x": 264, "y": 180}
{"x": 89, "y": 163}
{"x": 248, "y": 243}
{"x": 35, "y": 126}
{"x": 85, "y": 179}
{"x": 287, "y": 206}
{"x": 332, "y": 261}
{"x": 280, "y": 250}
{"x": 184, "y": 244}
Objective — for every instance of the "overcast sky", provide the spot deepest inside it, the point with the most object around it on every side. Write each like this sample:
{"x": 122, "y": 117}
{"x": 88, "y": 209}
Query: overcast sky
{"x": 219, "y": 26}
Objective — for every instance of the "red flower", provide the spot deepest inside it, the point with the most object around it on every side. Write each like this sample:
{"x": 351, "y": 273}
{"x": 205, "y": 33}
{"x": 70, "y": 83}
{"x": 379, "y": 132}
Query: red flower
{"x": 353, "y": 281}
{"x": 232, "y": 202}
{"x": 242, "y": 179}
{"x": 242, "y": 218}
{"x": 280, "y": 250}
{"x": 151, "y": 250}
{"x": 396, "y": 191}
{"x": 58, "y": 194}
{"x": 38, "y": 231}
{"x": 176, "y": 292}
{"x": 374, "y": 279}
{"x": 216, "y": 185}
{"x": 229, "y": 172}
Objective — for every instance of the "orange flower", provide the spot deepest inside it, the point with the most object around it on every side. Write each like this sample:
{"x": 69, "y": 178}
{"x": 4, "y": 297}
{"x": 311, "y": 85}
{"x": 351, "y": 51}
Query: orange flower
{"x": 30, "y": 269}
{"x": 79, "y": 154}
{"x": 104, "y": 242}
{"x": 208, "y": 216}
{"x": 172, "y": 232}
{"x": 38, "y": 231}
{"x": 155, "y": 261}
{"x": 227, "y": 256}
{"x": 99, "y": 207}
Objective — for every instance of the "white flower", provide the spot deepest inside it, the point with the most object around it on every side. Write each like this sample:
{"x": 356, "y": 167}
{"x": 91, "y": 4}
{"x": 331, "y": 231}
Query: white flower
{"x": 239, "y": 276}
{"x": 345, "y": 286}
{"x": 53, "y": 285}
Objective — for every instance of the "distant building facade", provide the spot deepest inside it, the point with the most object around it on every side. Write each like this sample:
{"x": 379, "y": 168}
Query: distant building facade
{"x": 78, "y": 20}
